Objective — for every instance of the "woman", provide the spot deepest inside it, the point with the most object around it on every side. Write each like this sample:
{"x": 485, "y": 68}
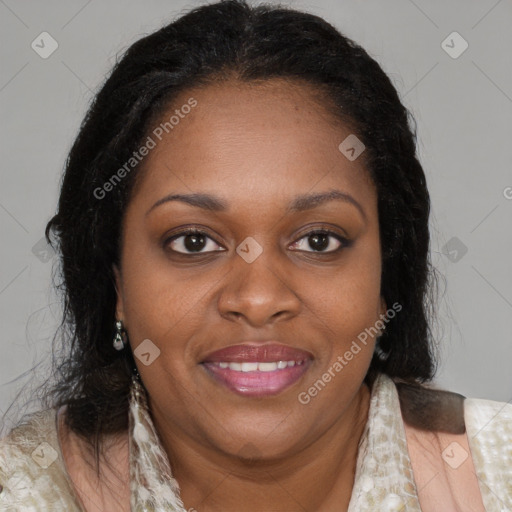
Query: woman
{"x": 243, "y": 230}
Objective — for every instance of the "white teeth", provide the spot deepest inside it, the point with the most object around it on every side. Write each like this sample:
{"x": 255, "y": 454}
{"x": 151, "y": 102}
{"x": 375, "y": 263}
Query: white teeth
{"x": 249, "y": 367}
{"x": 259, "y": 366}
{"x": 266, "y": 367}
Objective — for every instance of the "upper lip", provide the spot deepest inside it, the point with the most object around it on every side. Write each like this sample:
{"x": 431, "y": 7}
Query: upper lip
{"x": 257, "y": 352}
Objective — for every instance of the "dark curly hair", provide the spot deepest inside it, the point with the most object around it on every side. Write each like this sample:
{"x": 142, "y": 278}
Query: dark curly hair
{"x": 210, "y": 44}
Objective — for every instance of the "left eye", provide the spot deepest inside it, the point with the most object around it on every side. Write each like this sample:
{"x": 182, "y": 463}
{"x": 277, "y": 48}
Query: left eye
{"x": 319, "y": 241}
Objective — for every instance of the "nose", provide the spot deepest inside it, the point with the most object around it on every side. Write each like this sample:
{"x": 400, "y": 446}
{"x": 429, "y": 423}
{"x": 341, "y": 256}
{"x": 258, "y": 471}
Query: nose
{"x": 259, "y": 293}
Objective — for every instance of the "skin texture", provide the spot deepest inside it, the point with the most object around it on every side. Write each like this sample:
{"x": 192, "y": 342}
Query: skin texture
{"x": 256, "y": 147}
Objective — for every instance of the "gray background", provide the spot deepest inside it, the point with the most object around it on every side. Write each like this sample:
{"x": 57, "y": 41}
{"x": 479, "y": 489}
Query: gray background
{"x": 463, "y": 109}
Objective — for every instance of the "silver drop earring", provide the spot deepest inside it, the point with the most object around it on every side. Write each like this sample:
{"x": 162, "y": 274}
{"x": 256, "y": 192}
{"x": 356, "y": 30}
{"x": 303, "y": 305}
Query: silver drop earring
{"x": 120, "y": 337}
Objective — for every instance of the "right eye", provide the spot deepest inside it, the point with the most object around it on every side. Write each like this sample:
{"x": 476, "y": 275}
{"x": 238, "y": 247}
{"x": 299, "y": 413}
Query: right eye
{"x": 190, "y": 241}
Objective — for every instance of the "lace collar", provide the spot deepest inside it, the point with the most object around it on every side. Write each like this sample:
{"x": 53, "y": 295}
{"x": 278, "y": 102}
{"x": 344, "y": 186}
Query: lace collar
{"x": 383, "y": 480}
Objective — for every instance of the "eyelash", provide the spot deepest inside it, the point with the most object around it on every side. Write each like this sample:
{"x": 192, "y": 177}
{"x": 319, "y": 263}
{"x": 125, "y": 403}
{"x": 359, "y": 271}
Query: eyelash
{"x": 194, "y": 231}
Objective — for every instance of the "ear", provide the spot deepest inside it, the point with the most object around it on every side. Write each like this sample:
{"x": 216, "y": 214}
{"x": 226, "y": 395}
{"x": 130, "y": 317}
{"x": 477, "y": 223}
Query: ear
{"x": 117, "y": 284}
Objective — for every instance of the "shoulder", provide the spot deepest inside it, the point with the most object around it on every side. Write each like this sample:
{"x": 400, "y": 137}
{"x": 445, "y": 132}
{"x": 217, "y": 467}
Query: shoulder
{"x": 489, "y": 415}
{"x": 17, "y": 449}
{"x": 32, "y": 472}
{"x": 449, "y": 430}
{"x": 489, "y": 431}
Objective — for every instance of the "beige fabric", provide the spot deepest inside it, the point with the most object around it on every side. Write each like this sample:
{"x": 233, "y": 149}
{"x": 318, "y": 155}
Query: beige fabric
{"x": 35, "y": 478}
{"x": 32, "y": 469}
{"x": 489, "y": 428}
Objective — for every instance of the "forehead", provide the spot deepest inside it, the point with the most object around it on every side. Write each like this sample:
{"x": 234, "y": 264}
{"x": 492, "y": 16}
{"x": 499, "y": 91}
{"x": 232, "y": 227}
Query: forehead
{"x": 248, "y": 142}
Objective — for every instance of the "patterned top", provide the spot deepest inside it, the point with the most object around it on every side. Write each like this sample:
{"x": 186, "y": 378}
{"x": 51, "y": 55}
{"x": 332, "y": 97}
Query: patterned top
{"x": 33, "y": 476}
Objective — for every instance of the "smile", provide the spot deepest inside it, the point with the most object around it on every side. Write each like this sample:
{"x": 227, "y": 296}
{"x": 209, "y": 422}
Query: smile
{"x": 258, "y": 366}
{"x": 257, "y": 379}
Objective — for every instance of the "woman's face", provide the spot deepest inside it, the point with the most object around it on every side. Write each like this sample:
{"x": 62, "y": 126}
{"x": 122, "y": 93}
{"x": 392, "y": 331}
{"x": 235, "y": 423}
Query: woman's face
{"x": 257, "y": 274}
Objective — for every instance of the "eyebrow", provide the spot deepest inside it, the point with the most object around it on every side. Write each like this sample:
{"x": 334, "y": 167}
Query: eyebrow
{"x": 298, "y": 204}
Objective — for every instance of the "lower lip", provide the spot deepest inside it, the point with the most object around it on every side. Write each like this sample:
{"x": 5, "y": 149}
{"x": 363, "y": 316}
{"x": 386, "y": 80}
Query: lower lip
{"x": 258, "y": 384}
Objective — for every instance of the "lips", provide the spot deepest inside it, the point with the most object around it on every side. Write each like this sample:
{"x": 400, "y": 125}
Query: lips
{"x": 251, "y": 353}
{"x": 257, "y": 370}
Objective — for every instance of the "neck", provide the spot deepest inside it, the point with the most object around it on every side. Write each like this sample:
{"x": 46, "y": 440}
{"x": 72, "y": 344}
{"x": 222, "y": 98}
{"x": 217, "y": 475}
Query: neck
{"x": 319, "y": 476}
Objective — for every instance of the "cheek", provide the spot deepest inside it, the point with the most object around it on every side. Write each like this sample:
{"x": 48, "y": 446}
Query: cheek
{"x": 350, "y": 295}
{"x": 155, "y": 300}
{"x": 160, "y": 308}
{"x": 348, "y": 303}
